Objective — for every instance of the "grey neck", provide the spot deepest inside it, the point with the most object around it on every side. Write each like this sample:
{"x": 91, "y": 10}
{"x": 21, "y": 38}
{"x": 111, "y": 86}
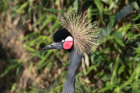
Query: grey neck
{"x": 75, "y": 61}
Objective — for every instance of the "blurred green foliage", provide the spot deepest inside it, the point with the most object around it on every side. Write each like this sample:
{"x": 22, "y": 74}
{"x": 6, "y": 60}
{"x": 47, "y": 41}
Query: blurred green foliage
{"x": 113, "y": 68}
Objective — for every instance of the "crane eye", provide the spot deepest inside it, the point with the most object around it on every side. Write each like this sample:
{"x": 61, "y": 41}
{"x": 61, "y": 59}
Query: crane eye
{"x": 63, "y": 41}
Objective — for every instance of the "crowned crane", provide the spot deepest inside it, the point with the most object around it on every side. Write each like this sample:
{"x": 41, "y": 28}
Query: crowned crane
{"x": 78, "y": 36}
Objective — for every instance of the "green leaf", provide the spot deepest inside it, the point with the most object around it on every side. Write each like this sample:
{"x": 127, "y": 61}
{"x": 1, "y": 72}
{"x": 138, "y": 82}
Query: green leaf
{"x": 21, "y": 8}
{"x": 56, "y": 25}
{"x": 118, "y": 37}
{"x": 109, "y": 87}
{"x": 42, "y": 62}
{"x": 121, "y": 69}
{"x": 39, "y": 20}
{"x": 47, "y": 20}
{"x": 90, "y": 69}
{"x": 8, "y": 70}
{"x": 99, "y": 6}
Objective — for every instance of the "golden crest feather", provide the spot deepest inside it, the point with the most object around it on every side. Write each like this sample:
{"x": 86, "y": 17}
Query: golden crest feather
{"x": 85, "y": 33}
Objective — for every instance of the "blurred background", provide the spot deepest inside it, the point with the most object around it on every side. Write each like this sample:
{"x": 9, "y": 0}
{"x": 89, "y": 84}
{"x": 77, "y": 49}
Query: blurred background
{"x": 26, "y": 26}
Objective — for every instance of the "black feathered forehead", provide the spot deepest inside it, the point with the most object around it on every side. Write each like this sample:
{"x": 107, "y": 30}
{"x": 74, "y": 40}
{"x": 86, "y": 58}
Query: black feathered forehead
{"x": 61, "y": 34}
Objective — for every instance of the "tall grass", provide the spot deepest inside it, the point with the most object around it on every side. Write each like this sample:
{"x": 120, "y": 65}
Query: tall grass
{"x": 27, "y": 26}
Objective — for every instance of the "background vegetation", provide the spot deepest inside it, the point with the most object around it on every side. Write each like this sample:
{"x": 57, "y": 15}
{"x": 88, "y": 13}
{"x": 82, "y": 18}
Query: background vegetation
{"x": 26, "y": 26}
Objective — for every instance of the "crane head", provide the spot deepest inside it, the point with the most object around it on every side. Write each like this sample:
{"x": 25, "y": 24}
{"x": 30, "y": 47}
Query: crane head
{"x": 63, "y": 40}
{"x": 79, "y": 33}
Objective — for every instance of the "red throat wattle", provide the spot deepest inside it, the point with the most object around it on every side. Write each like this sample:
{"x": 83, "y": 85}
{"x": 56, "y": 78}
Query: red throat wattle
{"x": 68, "y": 42}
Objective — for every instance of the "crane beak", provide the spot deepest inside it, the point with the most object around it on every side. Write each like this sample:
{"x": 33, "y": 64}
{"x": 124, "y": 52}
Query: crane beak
{"x": 55, "y": 45}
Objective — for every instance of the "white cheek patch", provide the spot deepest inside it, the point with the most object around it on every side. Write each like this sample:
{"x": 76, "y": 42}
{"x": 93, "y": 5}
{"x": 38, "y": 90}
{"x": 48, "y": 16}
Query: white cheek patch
{"x": 69, "y": 38}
